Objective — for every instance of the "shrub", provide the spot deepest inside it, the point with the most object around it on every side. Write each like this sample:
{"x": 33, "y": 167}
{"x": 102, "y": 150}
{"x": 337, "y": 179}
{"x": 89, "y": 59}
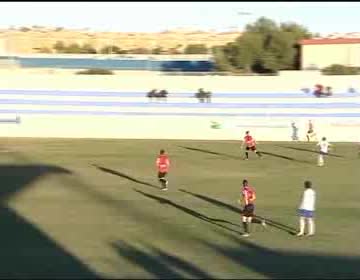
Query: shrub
{"x": 59, "y": 46}
{"x": 337, "y": 69}
{"x": 95, "y": 71}
{"x": 112, "y": 50}
{"x": 25, "y": 29}
{"x": 196, "y": 49}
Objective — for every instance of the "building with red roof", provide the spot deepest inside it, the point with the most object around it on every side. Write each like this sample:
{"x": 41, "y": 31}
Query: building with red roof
{"x": 318, "y": 53}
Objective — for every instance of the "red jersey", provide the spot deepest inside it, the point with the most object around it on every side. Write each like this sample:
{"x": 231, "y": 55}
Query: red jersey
{"x": 249, "y": 141}
{"x": 248, "y": 195}
{"x": 163, "y": 163}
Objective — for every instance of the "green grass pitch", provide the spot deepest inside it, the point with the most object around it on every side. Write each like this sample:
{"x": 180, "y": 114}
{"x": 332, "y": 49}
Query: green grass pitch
{"x": 92, "y": 208}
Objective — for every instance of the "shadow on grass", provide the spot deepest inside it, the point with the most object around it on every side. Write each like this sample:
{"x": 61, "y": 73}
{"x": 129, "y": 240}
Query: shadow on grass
{"x": 286, "y": 264}
{"x": 209, "y": 152}
{"x": 285, "y": 157}
{"x": 308, "y": 150}
{"x": 257, "y": 219}
{"x": 26, "y": 251}
{"x": 125, "y": 176}
{"x": 191, "y": 212}
{"x": 159, "y": 263}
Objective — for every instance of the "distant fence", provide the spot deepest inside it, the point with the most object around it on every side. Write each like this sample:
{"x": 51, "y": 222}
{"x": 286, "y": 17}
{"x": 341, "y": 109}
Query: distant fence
{"x": 183, "y": 65}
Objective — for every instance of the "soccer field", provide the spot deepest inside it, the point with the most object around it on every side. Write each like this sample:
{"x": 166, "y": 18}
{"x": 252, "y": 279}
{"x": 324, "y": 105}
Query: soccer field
{"x": 92, "y": 208}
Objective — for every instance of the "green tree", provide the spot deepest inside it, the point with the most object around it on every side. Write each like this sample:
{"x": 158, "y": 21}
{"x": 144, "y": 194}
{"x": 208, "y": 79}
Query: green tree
{"x": 25, "y": 29}
{"x": 73, "y": 48}
{"x": 157, "y": 50}
{"x": 250, "y": 49}
{"x": 112, "y": 49}
{"x": 140, "y": 51}
{"x": 263, "y": 26}
{"x": 196, "y": 49}
{"x": 220, "y": 60}
{"x": 338, "y": 69}
{"x": 296, "y": 33}
{"x": 87, "y": 48}
{"x": 59, "y": 46}
{"x": 266, "y": 46}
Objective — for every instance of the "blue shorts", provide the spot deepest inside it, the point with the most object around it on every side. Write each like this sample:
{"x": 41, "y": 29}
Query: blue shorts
{"x": 306, "y": 213}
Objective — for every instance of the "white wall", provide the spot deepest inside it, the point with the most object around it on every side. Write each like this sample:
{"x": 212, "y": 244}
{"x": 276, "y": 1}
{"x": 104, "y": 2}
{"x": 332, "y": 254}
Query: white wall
{"x": 291, "y": 81}
{"x": 325, "y": 55}
{"x": 151, "y": 127}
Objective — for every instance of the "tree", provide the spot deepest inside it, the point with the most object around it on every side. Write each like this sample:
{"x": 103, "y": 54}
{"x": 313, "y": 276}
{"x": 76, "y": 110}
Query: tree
{"x": 267, "y": 47}
{"x": 73, "y": 48}
{"x": 280, "y": 51}
{"x": 25, "y": 29}
{"x": 296, "y": 32}
{"x": 263, "y": 26}
{"x": 196, "y": 49}
{"x": 87, "y": 48}
{"x": 250, "y": 49}
{"x": 157, "y": 50}
{"x": 112, "y": 49}
{"x": 59, "y": 46}
{"x": 140, "y": 51}
{"x": 220, "y": 60}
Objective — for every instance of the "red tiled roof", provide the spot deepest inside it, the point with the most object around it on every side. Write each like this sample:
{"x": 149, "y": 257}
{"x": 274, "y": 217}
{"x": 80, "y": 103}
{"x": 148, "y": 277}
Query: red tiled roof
{"x": 328, "y": 41}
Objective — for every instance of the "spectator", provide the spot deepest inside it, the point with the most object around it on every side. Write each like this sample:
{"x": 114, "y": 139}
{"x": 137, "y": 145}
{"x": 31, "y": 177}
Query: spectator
{"x": 163, "y": 95}
{"x": 328, "y": 91}
{"x": 351, "y": 90}
{"x": 200, "y": 95}
{"x": 208, "y": 96}
{"x": 152, "y": 94}
{"x": 203, "y": 96}
{"x": 318, "y": 90}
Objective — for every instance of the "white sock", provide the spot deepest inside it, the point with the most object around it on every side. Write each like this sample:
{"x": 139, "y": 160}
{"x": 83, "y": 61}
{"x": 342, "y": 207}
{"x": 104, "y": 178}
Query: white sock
{"x": 302, "y": 225}
{"x": 311, "y": 224}
{"x": 321, "y": 160}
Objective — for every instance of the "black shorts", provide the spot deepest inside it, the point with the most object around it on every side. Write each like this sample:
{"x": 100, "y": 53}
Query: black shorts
{"x": 323, "y": 153}
{"x": 310, "y": 131}
{"x": 248, "y": 210}
{"x": 253, "y": 148}
{"x": 161, "y": 174}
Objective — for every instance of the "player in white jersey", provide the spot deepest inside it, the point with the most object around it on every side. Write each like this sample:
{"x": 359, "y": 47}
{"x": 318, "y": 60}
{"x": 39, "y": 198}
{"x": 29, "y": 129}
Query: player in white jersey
{"x": 324, "y": 149}
{"x": 307, "y": 209}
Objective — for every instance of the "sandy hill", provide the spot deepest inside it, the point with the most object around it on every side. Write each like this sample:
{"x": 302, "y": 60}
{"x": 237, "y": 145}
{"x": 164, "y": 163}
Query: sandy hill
{"x": 35, "y": 40}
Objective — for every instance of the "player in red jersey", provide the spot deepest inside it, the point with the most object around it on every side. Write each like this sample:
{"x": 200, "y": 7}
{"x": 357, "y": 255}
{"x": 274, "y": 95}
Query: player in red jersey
{"x": 163, "y": 165}
{"x": 250, "y": 143}
{"x": 248, "y": 199}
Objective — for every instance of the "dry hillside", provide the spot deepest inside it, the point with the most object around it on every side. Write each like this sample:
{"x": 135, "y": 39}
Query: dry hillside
{"x": 35, "y": 40}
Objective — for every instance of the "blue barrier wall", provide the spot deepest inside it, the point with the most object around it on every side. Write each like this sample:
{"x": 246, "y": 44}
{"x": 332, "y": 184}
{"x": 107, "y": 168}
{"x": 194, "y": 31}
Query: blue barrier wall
{"x": 117, "y": 64}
